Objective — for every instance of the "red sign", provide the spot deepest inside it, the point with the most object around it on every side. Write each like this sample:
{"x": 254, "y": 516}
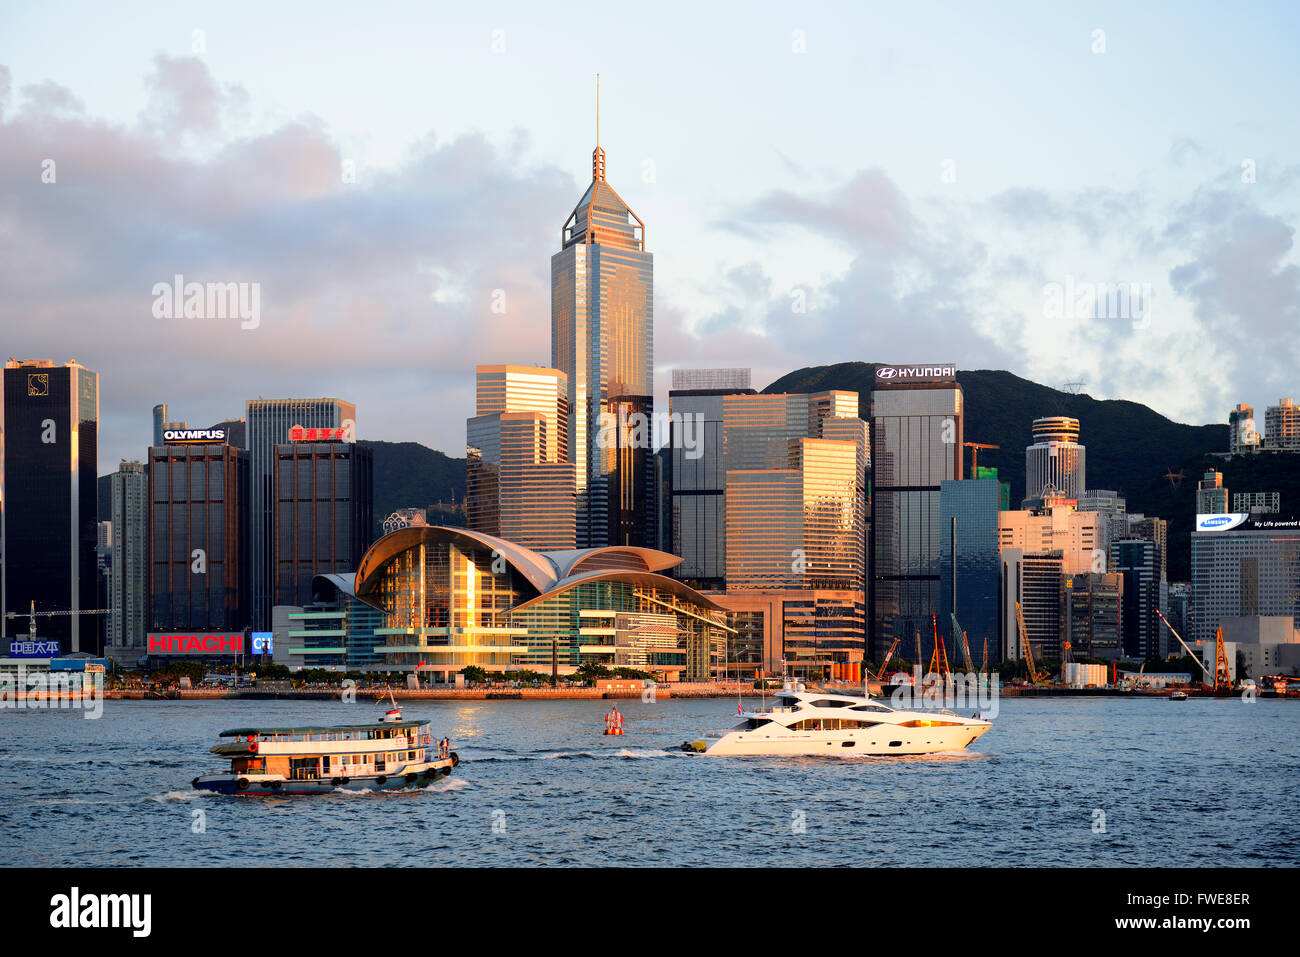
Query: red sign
{"x": 298, "y": 434}
{"x": 180, "y": 644}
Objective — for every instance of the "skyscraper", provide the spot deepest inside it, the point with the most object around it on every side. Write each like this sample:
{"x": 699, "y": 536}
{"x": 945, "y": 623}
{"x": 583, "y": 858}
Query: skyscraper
{"x": 1054, "y": 463}
{"x": 916, "y": 445}
{"x": 1211, "y": 495}
{"x": 520, "y": 484}
{"x": 48, "y": 528}
{"x": 198, "y": 537}
{"x": 698, "y": 473}
{"x": 602, "y": 339}
{"x": 324, "y": 513}
{"x": 968, "y": 570}
{"x": 129, "y": 499}
{"x": 268, "y": 424}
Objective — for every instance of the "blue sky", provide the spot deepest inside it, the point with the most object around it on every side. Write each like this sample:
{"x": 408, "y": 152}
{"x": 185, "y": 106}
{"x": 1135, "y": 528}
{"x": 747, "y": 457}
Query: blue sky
{"x": 919, "y": 173}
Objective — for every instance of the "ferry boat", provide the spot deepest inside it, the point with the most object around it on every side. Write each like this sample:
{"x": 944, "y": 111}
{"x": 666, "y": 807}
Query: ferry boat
{"x": 389, "y": 755}
{"x": 803, "y": 723}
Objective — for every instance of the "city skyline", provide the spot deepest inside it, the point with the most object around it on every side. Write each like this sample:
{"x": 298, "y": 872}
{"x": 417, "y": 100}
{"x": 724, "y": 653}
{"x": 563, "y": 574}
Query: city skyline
{"x": 748, "y": 215}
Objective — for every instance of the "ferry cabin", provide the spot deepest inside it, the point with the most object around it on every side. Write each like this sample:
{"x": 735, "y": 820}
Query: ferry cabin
{"x": 335, "y": 754}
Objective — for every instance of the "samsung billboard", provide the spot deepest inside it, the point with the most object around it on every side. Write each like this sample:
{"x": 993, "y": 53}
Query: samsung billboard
{"x": 1243, "y": 521}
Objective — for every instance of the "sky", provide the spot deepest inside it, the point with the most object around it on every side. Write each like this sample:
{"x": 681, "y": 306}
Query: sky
{"x": 820, "y": 182}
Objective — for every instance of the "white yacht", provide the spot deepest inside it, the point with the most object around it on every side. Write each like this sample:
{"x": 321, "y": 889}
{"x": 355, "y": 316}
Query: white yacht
{"x": 816, "y": 723}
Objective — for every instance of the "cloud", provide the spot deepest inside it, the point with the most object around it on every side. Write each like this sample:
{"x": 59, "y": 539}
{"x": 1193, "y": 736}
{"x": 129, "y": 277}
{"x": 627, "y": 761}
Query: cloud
{"x": 380, "y": 290}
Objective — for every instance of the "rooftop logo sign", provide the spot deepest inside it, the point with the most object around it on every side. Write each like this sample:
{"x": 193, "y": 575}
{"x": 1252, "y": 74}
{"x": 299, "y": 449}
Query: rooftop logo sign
{"x": 934, "y": 373}
{"x": 193, "y": 436}
{"x": 1219, "y": 523}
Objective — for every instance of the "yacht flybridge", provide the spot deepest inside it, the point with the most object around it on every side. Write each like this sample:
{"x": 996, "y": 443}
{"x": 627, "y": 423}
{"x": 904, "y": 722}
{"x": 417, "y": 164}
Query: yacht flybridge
{"x": 816, "y": 723}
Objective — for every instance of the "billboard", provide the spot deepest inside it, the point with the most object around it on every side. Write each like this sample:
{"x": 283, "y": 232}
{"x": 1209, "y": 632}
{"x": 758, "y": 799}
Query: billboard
{"x": 890, "y": 375}
{"x": 176, "y": 643}
{"x": 1244, "y": 521}
{"x": 194, "y": 436}
{"x": 263, "y": 642}
{"x": 24, "y": 648}
{"x": 299, "y": 434}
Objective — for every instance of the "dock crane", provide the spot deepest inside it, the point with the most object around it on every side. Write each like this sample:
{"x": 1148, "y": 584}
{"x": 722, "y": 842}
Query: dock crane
{"x": 888, "y": 655}
{"x": 1220, "y": 681}
{"x": 965, "y": 645}
{"x": 1034, "y": 676}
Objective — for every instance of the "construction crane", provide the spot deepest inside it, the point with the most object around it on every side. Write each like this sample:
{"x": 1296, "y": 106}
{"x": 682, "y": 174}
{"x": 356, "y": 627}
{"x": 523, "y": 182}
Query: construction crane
{"x": 1220, "y": 680}
{"x": 939, "y": 659}
{"x": 975, "y": 454}
{"x": 965, "y": 645}
{"x": 32, "y": 614}
{"x": 889, "y": 654}
{"x": 1034, "y": 677}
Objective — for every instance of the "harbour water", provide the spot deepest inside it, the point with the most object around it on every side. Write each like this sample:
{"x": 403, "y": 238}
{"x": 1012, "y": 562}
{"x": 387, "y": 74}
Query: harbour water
{"x": 1057, "y": 782}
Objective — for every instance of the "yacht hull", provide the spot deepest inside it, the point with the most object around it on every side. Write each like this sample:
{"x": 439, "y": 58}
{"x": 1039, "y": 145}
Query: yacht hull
{"x": 882, "y": 739}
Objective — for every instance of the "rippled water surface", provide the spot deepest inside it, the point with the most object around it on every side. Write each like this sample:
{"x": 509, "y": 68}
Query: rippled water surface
{"x": 1200, "y": 782}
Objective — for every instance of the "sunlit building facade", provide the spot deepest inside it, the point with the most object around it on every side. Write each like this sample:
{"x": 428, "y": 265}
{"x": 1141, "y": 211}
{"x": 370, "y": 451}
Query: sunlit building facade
{"x": 1055, "y": 462}
{"x": 697, "y": 479}
{"x": 455, "y": 597}
{"x": 602, "y": 339}
{"x": 520, "y": 484}
{"x": 795, "y": 519}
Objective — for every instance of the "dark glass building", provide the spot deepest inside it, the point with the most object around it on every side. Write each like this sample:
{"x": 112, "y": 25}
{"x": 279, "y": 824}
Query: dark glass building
{"x": 916, "y": 443}
{"x": 268, "y": 423}
{"x": 198, "y": 538}
{"x": 324, "y": 513}
{"x": 49, "y": 528}
{"x": 968, "y": 569}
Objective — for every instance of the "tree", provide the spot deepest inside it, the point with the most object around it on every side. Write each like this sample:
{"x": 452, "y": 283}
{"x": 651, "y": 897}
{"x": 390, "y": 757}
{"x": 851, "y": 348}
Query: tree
{"x": 474, "y": 673}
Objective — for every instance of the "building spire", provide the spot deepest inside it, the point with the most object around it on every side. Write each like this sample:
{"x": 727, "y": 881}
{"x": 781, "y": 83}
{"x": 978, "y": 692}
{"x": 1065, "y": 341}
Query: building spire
{"x": 598, "y": 155}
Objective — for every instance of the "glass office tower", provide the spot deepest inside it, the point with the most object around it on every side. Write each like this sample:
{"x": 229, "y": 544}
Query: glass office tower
{"x": 198, "y": 538}
{"x": 130, "y": 535}
{"x": 268, "y": 422}
{"x": 602, "y": 339}
{"x": 324, "y": 513}
{"x": 968, "y": 568}
{"x": 916, "y": 445}
{"x": 697, "y": 477}
{"x": 49, "y": 525}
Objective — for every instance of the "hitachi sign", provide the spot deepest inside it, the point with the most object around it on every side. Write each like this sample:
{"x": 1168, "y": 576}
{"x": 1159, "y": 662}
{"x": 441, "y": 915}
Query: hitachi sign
{"x": 185, "y": 436}
{"x": 180, "y": 644}
{"x": 915, "y": 373}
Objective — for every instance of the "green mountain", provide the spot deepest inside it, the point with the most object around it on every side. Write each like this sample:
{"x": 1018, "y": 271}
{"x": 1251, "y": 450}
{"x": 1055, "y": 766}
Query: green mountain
{"x": 1131, "y": 448}
{"x": 411, "y": 475}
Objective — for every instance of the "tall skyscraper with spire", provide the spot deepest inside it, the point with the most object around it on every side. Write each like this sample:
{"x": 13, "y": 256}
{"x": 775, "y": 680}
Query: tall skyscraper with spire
{"x": 602, "y": 339}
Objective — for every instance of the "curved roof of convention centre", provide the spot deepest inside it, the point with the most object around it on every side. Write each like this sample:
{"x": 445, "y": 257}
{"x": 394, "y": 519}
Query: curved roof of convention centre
{"x": 547, "y": 572}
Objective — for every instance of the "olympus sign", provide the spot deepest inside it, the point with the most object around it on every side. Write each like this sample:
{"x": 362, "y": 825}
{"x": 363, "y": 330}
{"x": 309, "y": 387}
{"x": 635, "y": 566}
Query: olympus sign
{"x": 915, "y": 373}
{"x": 194, "y": 435}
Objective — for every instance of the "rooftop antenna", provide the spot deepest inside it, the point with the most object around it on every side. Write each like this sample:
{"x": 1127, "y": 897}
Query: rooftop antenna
{"x": 598, "y": 155}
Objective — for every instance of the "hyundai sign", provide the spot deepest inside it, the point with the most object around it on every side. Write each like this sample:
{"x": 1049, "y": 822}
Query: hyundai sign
{"x": 224, "y": 643}
{"x": 888, "y": 375}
